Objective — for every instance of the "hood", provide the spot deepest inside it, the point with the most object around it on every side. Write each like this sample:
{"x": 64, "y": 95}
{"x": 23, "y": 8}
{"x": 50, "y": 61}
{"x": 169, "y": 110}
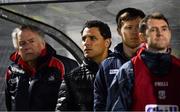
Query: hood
{"x": 118, "y": 48}
{"x": 119, "y": 53}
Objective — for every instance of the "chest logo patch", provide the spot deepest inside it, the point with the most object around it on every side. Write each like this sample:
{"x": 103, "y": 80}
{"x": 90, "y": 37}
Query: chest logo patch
{"x": 113, "y": 71}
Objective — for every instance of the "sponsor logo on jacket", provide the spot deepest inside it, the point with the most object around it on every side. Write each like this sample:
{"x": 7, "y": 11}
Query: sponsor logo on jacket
{"x": 161, "y": 108}
{"x": 113, "y": 71}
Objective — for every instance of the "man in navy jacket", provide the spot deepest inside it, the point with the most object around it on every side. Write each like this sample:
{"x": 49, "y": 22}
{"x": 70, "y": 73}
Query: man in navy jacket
{"x": 127, "y": 26}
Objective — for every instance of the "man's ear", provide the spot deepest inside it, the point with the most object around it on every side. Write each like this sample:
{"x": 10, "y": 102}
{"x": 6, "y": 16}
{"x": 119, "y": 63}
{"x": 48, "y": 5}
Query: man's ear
{"x": 119, "y": 31}
{"x": 18, "y": 51}
{"x": 142, "y": 37}
{"x": 108, "y": 42}
{"x": 44, "y": 43}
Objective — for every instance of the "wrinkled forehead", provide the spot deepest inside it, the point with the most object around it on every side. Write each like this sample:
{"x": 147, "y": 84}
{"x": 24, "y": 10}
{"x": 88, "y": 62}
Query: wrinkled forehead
{"x": 27, "y": 33}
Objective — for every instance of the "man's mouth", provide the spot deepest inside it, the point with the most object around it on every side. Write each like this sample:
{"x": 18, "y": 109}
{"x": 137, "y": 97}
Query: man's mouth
{"x": 28, "y": 53}
{"x": 87, "y": 50}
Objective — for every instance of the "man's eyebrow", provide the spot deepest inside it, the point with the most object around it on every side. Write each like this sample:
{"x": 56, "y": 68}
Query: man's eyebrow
{"x": 165, "y": 26}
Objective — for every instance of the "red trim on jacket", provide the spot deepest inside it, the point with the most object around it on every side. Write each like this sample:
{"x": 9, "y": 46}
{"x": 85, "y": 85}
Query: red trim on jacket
{"x": 7, "y": 74}
{"x": 16, "y": 57}
{"x": 57, "y": 64}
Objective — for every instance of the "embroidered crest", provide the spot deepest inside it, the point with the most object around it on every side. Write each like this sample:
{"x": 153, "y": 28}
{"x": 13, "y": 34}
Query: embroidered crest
{"x": 162, "y": 94}
{"x": 51, "y": 78}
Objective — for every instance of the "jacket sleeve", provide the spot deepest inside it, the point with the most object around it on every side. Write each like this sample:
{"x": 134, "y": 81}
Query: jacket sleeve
{"x": 62, "y": 97}
{"x": 14, "y": 84}
{"x": 66, "y": 101}
{"x": 100, "y": 90}
{"x": 7, "y": 93}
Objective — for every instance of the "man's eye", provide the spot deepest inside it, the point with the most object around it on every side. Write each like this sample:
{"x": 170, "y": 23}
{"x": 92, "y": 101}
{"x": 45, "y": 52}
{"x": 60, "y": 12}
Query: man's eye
{"x": 22, "y": 43}
{"x": 165, "y": 29}
{"x": 83, "y": 38}
{"x": 129, "y": 27}
{"x": 31, "y": 41}
{"x": 93, "y": 38}
{"x": 152, "y": 29}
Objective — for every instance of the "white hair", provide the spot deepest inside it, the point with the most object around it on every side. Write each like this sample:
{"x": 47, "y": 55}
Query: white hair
{"x": 14, "y": 36}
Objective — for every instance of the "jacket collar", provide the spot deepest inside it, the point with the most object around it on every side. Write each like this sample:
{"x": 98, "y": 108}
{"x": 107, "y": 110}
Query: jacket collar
{"x": 118, "y": 50}
{"x": 158, "y": 63}
{"x": 87, "y": 61}
{"x": 92, "y": 65}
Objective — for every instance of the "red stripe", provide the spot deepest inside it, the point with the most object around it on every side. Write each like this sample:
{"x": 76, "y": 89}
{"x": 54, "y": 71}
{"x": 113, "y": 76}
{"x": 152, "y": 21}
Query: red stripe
{"x": 56, "y": 63}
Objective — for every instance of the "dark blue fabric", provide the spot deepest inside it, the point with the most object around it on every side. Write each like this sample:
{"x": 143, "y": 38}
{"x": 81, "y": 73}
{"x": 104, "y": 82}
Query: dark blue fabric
{"x": 119, "y": 97}
{"x": 105, "y": 75}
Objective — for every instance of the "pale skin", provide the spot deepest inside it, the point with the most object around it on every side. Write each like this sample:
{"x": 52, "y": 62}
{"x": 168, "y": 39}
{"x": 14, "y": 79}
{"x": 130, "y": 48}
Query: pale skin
{"x": 94, "y": 46}
{"x": 130, "y": 36}
{"x": 30, "y": 45}
{"x": 158, "y": 35}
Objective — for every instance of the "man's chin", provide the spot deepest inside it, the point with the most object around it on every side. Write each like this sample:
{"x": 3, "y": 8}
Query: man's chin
{"x": 28, "y": 58}
{"x": 88, "y": 56}
{"x": 134, "y": 46}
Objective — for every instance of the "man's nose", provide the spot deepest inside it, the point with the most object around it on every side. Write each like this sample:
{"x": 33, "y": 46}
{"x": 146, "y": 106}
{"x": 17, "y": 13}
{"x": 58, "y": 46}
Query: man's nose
{"x": 136, "y": 29}
{"x": 27, "y": 45}
{"x": 158, "y": 32}
{"x": 87, "y": 41}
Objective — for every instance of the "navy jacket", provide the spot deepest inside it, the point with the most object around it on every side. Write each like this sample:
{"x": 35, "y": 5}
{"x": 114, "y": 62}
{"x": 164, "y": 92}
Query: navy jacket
{"x": 105, "y": 75}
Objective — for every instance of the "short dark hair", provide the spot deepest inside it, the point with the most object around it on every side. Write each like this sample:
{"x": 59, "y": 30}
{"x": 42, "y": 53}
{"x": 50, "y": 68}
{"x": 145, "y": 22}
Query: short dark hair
{"x": 128, "y": 14}
{"x": 103, "y": 28}
{"x": 156, "y": 15}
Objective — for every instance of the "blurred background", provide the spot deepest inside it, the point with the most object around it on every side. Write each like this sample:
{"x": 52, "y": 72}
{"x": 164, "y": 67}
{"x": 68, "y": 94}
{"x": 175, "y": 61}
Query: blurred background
{"x": 62, "y": 22}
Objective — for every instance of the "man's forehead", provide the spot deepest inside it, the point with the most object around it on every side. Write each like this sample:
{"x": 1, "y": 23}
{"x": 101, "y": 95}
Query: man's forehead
{"x": 26, "y": 35}
{"x": 156, "y": 22}
{"x": 27, "y": 32}
{"x": 91, "y": 30}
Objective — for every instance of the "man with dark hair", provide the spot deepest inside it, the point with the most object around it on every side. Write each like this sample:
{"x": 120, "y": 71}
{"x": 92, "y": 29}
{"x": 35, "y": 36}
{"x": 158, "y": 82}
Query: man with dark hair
{"x": 149, "y": 80}
{"x": 76, "y": 94}
{"x": 127, "y": 26}
{"x": 33, "y": 78}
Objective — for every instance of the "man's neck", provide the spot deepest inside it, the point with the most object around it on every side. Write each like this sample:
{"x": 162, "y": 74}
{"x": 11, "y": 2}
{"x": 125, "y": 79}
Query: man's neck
{"x": 129, "y": 52}
{"x": 99, "y": 59}
{"x": 157, "y": 51}
{"x": 32, "y": 64}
